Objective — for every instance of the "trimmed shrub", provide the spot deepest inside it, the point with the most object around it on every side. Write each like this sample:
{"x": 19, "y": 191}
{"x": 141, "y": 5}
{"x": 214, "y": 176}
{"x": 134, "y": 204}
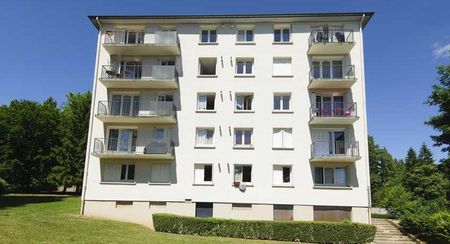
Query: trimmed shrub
{"x": 303, "y": 231}
{"x": 433, "y": 228}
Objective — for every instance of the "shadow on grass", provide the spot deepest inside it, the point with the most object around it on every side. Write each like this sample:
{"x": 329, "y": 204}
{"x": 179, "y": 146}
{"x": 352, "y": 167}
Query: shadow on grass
{"x": 9, "y": 201}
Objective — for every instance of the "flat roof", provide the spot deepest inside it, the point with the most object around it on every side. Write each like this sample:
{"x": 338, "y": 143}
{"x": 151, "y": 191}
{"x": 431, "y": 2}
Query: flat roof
{"x": 198, "y": 18}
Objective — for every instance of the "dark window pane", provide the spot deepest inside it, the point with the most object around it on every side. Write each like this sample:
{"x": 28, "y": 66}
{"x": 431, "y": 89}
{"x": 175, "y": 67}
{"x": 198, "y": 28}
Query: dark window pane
{"x": 123, "y": 172}
{"x": 247, "y": 173}
{"x": 207, "y": 173}
{"x": 204, "y": 36}
{"x": 238, "y": 137}
{"x": 249, "y": 35}
{"x": 277, "y": 35}
{"x": 249, "y": 67}
{"x": 286, "y": 35}
{"x": 203, "y": 210}
{"x": 276, "y": 102}
{"x": 213, "y": 36}
{"x": 286, "y": 102}
{"x": 247, "y": 137}
{"x": 240, "y": 67}
{"x": 318, "y": 175}
{"x": 241, "y": 36}
{"x": 210, "y": 102}
{"x": 286, "y": 174}
{"x": 131, "y": 172}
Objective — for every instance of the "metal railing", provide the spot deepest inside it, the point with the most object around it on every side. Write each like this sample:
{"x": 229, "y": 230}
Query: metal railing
{"x": 331, "y": 36}
{"x": 337, "y": 72}
{"x": 334, "y": 109}
{"x": 132, "y": 146}
{"x": 334, "y": 149}
{"x": 136, "y": 108}
{"x": 139, "y": 37}
{"x": 138, "y": 72}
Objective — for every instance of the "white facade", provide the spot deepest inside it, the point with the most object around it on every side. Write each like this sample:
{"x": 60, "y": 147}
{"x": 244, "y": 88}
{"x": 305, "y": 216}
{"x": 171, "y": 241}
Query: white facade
{"x": 293, "y": 110}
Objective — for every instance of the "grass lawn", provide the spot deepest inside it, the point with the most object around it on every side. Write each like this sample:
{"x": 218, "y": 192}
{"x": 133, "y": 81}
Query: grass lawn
{"x": 55, "y": 219}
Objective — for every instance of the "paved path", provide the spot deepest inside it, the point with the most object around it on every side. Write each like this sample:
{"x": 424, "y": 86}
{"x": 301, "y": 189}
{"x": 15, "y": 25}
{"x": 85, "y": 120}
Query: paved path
{"x": 388, "y": 233}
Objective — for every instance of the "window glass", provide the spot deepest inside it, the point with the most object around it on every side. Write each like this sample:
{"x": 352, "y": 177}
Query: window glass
{"x": 329, "y": 176}
{"x": 207, "y": 66}
{"x": 205, "y": 35}
{"x": 286, "y": 35}
{"x": 318, "y": 175}
{"x": 246, "y": 173}
{"x": 207, "y": 177}
{"x": 286, "y": 174}
{"x": 212, "y": 36}
{"x": 277, "y": 35}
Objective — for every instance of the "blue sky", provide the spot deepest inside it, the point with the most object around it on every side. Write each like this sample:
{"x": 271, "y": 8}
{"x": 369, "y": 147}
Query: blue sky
{"x": 48, "y": 49}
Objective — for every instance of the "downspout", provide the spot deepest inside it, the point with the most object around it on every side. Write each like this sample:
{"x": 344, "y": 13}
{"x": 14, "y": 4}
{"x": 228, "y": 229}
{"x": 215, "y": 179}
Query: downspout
{"x": 91, "y": 122}
{"x": 363, "y": 85}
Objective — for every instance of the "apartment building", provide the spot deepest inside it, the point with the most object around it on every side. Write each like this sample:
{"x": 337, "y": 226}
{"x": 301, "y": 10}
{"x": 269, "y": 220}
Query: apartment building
{"x": 256, "y": 117}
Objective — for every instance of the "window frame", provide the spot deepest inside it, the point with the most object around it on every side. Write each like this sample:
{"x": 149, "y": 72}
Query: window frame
{"x": 291, "y": 147}
{"x": 200, "y": 67}
{"x": 127, "y": 172}
{"x": 206, "y": 94}
{"x": 282, "y": 75}
{"x": 203, "y": 182}
{"x": 244, "y": 95}
{"x": 244, "y": 68}
{"x": 200, "y": 41}
{"x": 282, "y": 184}
{"x": 249, "y": 183}
{"x": 323, "y": 180}
{"x": 245, "y": 30}
{"x": 243, "y": 145}
{"x": 150, "y": 182}
{"x": 281, "y": 28}
{"x": 206, "y": 133}
{"x": 281, "y": 109}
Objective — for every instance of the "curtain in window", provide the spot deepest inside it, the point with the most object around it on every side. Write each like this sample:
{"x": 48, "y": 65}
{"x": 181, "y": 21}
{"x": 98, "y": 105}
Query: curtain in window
{"x": 277, "y": 174}
{"x": 112, "y": 172}
{"x": 282, "y": 66}
{"x": 201, "y": 137}
{"x": 287, "y": 138}
{"x": 237, "y": 173}
{"x": 278, "y": 138}
{"x": 247, "y": 137}
{"x": 239, "y": 103}
{"x": 209, "y": 137}
{"x": 201, "y": 103}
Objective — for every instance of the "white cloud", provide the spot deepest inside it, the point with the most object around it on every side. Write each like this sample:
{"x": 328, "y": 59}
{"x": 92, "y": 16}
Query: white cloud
{"x": 441, "y": 51}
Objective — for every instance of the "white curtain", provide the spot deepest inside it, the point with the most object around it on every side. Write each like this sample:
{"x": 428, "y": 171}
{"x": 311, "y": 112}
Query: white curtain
{"x": 282, "y": 66}
{"x": 204, "y": 137}
{"x": 277, "y": 174}
{"x": 237, "y": 173}
{"x": 239, "y": 102}
{"x": 112, "y": 172}
{"x": 160, "y": 173}
{"x": 287, "y": 138}
{"x": 277, "y": 138}
{"x": 340, "y": 177}
{"x": 201, "y": 103}
{"x": 199, "y": 173}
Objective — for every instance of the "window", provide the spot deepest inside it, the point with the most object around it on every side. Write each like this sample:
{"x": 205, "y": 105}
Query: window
{"x": 244, "y": 66}
{"x": 327, "y": 69}
{"x": 203, "y": 209}
{"x": 281, "y": 174}
{"x": 121, "y": 140}
{"x": 204, "y": 137}
{"x": 281, "y": 102}
{"x": 243, "y": 173}
{"x": 208, "y": 36}
{"x": 283, "y": 212}
{"x": 243, "y": 137}
{"x": 282, "y": 33}
{"x": 245, "y": 35}
{"x": 207, "y": 66}
{"x": 203, "y": 173}
{"x": 331, "y": 213}
{"x": 244, "y": 102}
{"x": 167, "y": 62}
{"x": 134, "y": 37}
{"x": 282, "y": 67}
{"x": 330, "y": 176}
{"x": 113, "y": 172}
{"x": 282, "y": 138}
{"x": 205, "y": 102}
{"x": 124, "y": 105}
{"x": 160, "y": 173}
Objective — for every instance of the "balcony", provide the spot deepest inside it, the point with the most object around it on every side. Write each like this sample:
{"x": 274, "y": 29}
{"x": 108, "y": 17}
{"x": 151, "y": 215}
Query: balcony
{"x": 332, "y": 77}
{"x": 136, "y": 112}
{"x": 139, "y": 43}
{"x": 333, "y": 113}
{"x": 139, "y": 76}
{"x": 329, "y": 42}
{"x": 334, "y": 151}
{"x": 131, "y": 148}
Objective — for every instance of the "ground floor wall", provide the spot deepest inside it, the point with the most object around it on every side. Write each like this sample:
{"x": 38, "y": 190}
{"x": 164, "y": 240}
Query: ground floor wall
{"x": 140, "y": 212}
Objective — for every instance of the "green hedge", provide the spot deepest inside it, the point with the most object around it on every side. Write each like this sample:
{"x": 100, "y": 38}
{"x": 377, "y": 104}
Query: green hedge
{"x": 434, "y": 228}
{"x": 303, "y": 231}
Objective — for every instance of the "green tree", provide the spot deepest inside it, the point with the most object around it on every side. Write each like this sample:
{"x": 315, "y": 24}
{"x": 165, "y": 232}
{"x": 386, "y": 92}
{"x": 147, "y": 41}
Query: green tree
{"x": 426, "y": 182}
{"x": 74, "y": 130}
{"x": 30, "y": 131}
{"x": 440, "y": 96}
{"x": 411, "y": 159}
{"x": 425, "y": 155}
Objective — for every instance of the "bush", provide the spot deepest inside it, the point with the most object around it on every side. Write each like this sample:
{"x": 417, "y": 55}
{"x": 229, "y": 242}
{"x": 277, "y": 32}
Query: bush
{"x": 434, "y": 228}
{"x": 4, "y": 186}
{"x": 302, "y": 231}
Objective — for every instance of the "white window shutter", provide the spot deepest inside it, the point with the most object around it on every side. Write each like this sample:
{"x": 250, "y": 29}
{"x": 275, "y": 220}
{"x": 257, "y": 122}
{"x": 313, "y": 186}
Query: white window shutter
{"x": 287, "y": 138}
{"x": 282, "y": 66}
{"x": 277, "y": 174}
{"x": 198, "y": 174}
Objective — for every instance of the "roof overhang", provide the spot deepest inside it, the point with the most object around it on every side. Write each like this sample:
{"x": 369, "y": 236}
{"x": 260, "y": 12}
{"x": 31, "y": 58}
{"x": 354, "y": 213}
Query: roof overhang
{"x": 364, "y": 17}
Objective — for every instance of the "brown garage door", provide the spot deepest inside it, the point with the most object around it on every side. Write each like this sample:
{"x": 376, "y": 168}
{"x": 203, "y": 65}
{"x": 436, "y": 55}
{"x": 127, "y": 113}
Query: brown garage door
{"x": 328, "y": 213}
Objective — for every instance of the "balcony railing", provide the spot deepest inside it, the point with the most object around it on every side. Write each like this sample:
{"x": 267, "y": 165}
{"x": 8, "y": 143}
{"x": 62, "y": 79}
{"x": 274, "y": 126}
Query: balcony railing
{"x": 135, "y": 108}
{"x": 334, "y": 109}
{"x": 138, "y": 72}
{"x": 139, "y": 37}
{"x": 131, "y": 146}
{"x": 331, "y": 36}
{"x": 334, "y": 149}
{"x": 335, "y": 72}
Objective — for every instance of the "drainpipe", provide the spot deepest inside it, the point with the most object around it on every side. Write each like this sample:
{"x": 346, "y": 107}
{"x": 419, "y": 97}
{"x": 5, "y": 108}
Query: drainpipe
{"x": 91, "y": 122}
{"x": 363, "y": 88}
